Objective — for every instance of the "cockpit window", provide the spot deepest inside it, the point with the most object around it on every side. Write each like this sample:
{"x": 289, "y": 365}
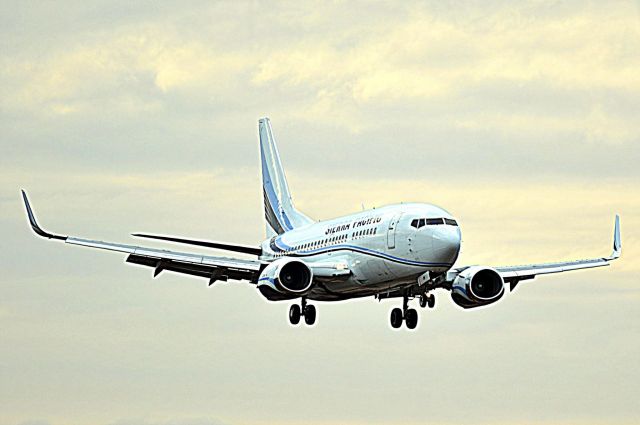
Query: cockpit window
{"x": 421, "y": 222}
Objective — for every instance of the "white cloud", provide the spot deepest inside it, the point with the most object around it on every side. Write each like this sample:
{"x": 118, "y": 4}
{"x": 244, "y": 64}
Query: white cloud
{"x": 520, "y": 118}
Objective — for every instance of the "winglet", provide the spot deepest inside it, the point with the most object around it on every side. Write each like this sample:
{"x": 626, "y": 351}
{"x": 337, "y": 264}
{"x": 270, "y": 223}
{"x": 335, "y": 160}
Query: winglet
{"x": 34, "y": 224}
{"x": 617, "y": 244}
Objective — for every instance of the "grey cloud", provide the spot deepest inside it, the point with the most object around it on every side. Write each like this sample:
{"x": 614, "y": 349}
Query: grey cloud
{"x": 35, "y": 422}
{"x": 116, "y": 151}
{"x": 195, "y": 421}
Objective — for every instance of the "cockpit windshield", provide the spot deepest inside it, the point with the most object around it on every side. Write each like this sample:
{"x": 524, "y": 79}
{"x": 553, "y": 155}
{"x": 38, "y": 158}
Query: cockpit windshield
{"x": 421, "y": 222}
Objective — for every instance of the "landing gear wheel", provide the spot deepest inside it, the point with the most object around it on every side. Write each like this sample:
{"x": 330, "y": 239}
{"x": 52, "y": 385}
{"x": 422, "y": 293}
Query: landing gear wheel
{"x": 396, "y": 318}
{"x": 427, "y": 300}
{"x": 294, "y": 314}
{"x": 411, "y": 318}
{"x": 310, "y": 315}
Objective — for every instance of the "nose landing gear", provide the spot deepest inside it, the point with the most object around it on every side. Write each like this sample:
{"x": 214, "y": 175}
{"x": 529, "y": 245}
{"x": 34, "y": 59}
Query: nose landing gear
{"x": 304, "y": 309}
{"x": 427, "y": 300}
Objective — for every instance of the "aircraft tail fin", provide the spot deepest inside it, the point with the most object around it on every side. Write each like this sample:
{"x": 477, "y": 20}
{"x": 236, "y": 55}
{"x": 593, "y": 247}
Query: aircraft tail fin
{"x": 279, "y": 211}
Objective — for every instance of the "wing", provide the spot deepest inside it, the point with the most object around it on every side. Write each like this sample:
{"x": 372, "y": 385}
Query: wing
{"x": 514, "y": 274}
{"x": 245, "y": 249}
{"x": 212, "y": 268}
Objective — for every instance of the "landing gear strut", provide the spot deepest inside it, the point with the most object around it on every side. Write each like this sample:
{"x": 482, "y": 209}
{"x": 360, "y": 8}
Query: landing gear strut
{"x": 304, "y": 309}
{"x": 409, "y": 315}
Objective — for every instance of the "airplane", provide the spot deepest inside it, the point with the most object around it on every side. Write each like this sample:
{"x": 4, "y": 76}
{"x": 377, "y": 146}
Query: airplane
{"x": 403, "y": 251}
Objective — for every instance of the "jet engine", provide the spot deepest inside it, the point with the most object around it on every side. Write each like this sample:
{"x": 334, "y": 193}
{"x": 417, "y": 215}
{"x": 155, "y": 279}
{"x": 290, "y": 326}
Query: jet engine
{"x": 477, "y": 286}
{"x": 285, "y": 278}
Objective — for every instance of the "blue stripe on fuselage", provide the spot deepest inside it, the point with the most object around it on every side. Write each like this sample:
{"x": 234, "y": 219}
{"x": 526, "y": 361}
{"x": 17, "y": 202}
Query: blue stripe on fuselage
{"x": 366, "y": 251}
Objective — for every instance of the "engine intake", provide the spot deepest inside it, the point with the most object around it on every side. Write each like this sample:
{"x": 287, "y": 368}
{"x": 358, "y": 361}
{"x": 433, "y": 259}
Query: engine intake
{"x": 477, "y": 286}
{"x": 285, "y": 278}
{"x": 295, "y": 276}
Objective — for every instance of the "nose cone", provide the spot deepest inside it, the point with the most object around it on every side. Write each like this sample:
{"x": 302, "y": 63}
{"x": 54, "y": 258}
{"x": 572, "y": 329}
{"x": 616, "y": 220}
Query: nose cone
{"x": 446, "y": 244}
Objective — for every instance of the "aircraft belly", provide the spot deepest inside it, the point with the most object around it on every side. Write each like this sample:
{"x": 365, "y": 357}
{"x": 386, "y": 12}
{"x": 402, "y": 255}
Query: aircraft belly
{"x": 370, "y": 276}
{"x": 330, "y": 291}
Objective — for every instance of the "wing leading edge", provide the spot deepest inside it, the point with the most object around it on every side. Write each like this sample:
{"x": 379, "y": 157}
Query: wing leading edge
{"x": 213, "y": 268}
{"x": 515, "y": 274}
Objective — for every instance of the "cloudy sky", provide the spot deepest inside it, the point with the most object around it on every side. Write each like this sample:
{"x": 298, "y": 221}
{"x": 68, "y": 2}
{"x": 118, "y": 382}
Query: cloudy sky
{"x": 521, "y": 118}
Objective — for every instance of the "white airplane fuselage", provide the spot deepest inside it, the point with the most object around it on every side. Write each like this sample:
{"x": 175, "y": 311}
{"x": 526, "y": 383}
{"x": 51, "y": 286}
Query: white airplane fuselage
{"x": 380, "y": 246}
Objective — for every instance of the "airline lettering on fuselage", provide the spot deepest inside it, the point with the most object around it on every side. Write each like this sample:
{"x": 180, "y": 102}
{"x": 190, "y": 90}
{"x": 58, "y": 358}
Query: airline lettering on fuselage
{"x": 336, "y": 229}
{"x": 367, "y": 221}
{"x": 355, "y": 224}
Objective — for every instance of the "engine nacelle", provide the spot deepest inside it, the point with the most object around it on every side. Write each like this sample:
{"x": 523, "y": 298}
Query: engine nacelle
{"x": 477, "y": 286}
{"x": 285, "y": 276}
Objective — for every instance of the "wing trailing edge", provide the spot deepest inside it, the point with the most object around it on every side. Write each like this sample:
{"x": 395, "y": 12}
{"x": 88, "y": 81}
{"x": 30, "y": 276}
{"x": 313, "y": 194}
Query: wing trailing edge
{"x": 210, "y": 267}
{"x": 245, "y": 249}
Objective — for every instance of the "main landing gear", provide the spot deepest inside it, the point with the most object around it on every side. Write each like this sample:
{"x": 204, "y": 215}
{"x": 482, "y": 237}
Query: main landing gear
{"x": 304, "y": 309}
{"x": 410, "y": 315}
{"x": 406, "y": 314}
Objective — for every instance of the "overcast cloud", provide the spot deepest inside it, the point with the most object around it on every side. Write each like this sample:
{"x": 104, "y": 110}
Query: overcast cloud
{"x": 521, "y": 118}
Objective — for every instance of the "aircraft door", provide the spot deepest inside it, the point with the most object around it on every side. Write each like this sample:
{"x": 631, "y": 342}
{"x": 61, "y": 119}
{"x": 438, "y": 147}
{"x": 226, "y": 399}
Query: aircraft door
{"x": 391, "y": 232}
